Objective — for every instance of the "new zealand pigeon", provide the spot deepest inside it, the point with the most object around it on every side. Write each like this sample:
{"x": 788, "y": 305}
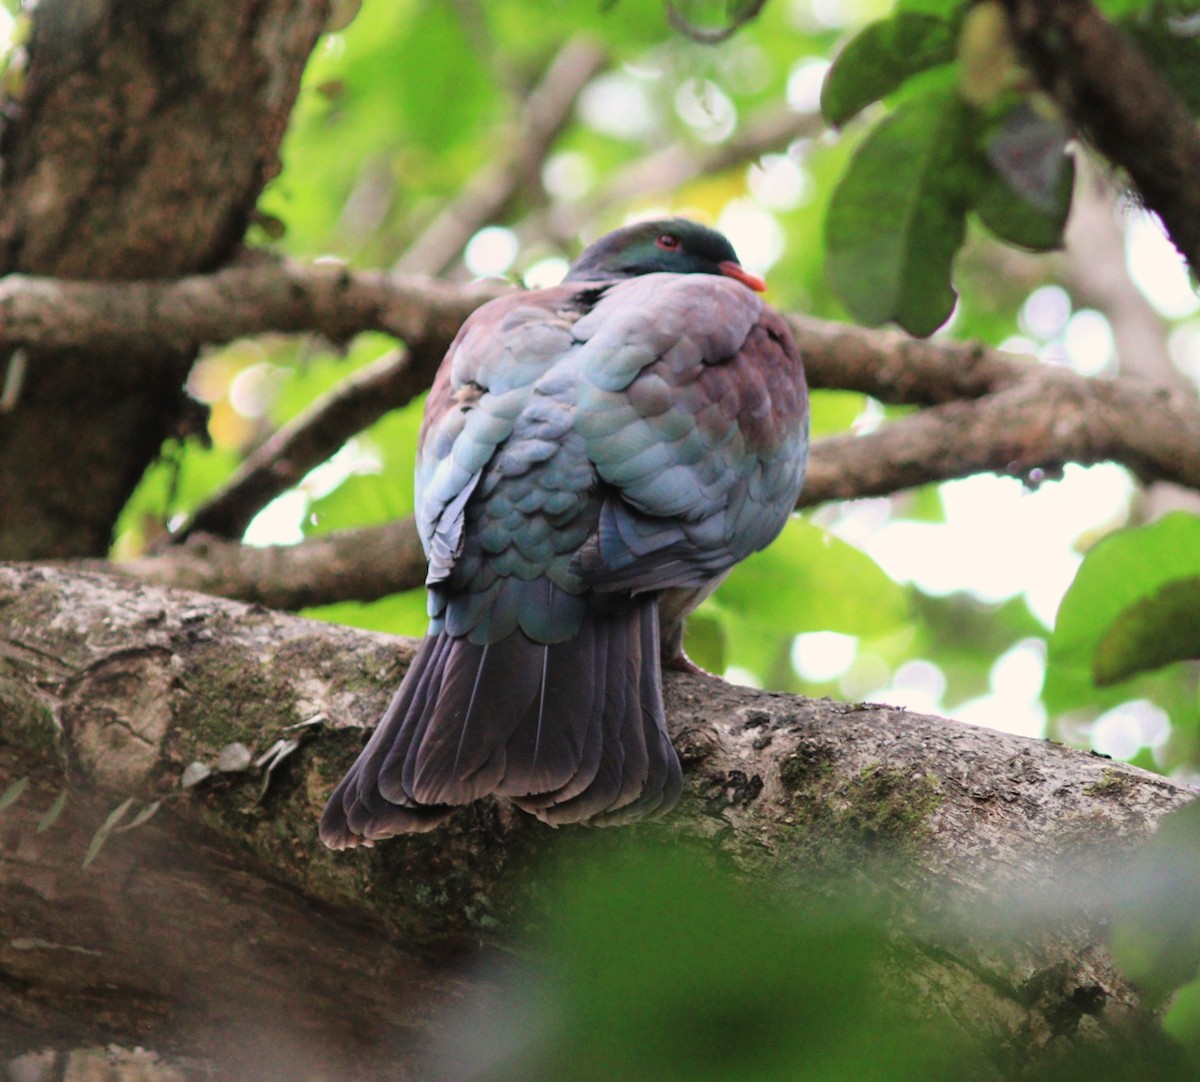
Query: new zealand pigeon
{"x": 593, "y": 460}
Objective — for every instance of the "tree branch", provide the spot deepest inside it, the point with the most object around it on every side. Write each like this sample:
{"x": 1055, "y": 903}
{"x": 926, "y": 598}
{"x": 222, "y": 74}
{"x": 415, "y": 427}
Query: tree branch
{"x": 313, "y": 436}
{"x": 1037, "y": 420}
{"x": 202, "y": 921}
{"x": 671, "y": 168}
{"x": 258, "y": 296}
{"x": 1052, "y": 415}
{"x": 485, "y": 196}
{"x": 1110, "y": 91}
{"x": 1098, "y": 277}
{"x": 362, "y": 564}
{"x": 1030, "y": 430}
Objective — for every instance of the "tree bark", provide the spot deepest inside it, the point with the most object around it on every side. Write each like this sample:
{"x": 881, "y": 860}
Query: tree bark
{"x": 1121, "y": 101}
{"x": 139, "y": 144}
{"x": 220, "y": 932}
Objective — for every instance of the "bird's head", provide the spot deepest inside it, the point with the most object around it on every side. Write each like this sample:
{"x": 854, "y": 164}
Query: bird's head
{"x": 675, "y": 245}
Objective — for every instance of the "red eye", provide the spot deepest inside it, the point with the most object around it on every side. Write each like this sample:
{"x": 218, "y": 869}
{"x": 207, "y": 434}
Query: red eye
{"x": 667, "y": 242}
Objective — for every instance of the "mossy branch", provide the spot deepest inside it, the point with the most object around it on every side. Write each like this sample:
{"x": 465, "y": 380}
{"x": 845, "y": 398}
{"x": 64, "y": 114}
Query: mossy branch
{"x": 120, "y": 687}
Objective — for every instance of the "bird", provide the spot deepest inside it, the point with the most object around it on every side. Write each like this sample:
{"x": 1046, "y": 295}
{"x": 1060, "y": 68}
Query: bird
{"x": 593, "y": 459}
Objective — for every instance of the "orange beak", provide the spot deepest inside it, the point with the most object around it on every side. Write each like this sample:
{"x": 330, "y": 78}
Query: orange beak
{"x": 735, "y": 270}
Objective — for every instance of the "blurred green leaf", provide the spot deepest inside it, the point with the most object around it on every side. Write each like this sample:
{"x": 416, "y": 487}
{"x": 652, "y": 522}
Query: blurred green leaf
{"x": 809, "y": 580}
{"x": 1128, "y": 581}
{"x": 1011, "y": 217}
{"x": 1150, "y": 633}
{"x": 651, "y": 966}
{"x": 945, "y": 8}
{"x": 1117, "y": 8}
{"x": 360, "y": 500}
{"x": 312, "y": 375}
{"x": 397, "y": 614}
{"x": 704, "y": 640}
{"x": 1025, "y": 185}
{"x": 880, "y": 58}
{"x": 1156, "y": 931}
{"x": 922, "y": 504}
{"x": 1182, "y": 1020}
{"x": 834, "y": 411}
{"x": 898, "y": 217}
{"x": 177, "y": 483}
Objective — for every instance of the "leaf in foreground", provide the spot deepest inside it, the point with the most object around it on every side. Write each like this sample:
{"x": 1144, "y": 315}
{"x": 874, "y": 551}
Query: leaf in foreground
{"x": 898, "y": 216}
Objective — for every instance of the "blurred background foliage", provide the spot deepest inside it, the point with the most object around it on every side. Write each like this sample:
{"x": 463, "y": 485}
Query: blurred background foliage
{"x": 943, "y": 599}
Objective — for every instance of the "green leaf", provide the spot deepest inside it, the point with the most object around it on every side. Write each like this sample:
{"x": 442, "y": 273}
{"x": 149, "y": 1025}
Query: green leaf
{"x": 1151, "y": 633}
{"x": 1116, "y": 9}
{"x": 397, "y": 614}
{"x": 1126, "y": 588}
{"x": 360, "y": 500}
{"x": 809, "y": 580}
{"x": 897, "y": 218}
{"x": 51, "y": 814}
{"x": 834, "y": 411}
{"x": 656, "y": 964}
{"x": 13, "y": 793}
{"x": 1182, "y": 1020}
{"x": 1156, "y": 931}
{"x": 1011, "y": 217}
{"x": 704, "y": 640}
{"x": 106, "y": 828}
{"x": 882, "y": 57}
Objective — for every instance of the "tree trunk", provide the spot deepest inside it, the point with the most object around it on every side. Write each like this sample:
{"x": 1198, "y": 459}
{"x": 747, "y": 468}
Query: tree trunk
{"x": 140, "y": 142}
{"x": 219, "y": 932}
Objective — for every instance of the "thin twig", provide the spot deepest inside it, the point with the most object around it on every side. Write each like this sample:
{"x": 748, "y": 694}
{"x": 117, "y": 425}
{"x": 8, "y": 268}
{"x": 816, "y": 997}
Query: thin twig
{"x": 672, "y": 167}
{"x": 484, "y": 197}
{"x": 313, "y": 436}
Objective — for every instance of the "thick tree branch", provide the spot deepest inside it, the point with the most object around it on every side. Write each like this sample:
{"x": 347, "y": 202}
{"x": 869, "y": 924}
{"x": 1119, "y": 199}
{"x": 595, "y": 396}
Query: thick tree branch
{"x": 1052, "y": 416}
{"x": 258, "y": 296}
{"x": 202, "y": 921}
{"x": 1110, "y": 91}
{"x": 363, "y": 564}
{"x": 1030, "y": 430}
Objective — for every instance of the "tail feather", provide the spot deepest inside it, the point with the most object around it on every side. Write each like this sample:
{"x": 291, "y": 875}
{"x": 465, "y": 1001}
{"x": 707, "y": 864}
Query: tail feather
{"x": 592, "y": 758}
{"x": 547, "y": 749}
{"x": 357, "y": 813}
{"x": 639, "y": 772}
{"x": 462, "y": 749}
{"x": 570, "y": 731}
{"x": 664, "y": 780}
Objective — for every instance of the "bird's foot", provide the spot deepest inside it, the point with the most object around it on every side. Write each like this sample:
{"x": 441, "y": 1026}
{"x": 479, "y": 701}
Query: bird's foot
{"x": 680, "y": 662}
